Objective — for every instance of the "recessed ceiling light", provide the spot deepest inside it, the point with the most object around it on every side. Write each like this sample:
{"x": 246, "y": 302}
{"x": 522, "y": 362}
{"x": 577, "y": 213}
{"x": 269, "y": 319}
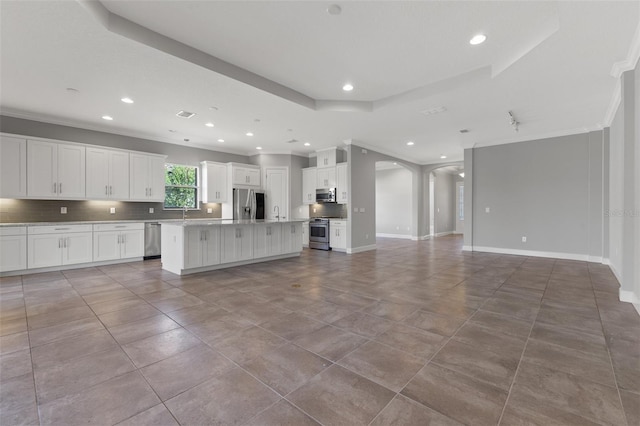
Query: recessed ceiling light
{"x": 410, "y": 143}
{"x": 249, "y": 134}
{"x": 127, "y": 100}
{"x": 107, "y": 117}
{"x": 220, "y": 140}
{"x": 443, "y": 157}
{"x": 395, "y": 164}
{"x": 307, "y": 144}
{"x": 258, "y": 147}
{"x": 209, "y": 124}
{"x": 347, "y": 87}
{"x": 334, "y": 9}
{"x": 478, "y": 39}
{"x": 185, "y": 114}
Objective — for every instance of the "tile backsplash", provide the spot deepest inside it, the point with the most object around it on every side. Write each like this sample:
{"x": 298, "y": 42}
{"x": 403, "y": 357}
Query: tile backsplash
{"x": 17, "y": 211}
{"x": 328, "y": 210}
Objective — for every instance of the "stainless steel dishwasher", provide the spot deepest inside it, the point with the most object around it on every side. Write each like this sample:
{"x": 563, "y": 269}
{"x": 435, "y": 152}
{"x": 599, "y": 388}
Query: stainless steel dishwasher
{"x": 152, "y": 240}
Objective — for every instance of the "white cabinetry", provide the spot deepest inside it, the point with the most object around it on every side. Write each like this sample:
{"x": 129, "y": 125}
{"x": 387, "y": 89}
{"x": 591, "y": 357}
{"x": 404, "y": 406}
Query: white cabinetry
{"x": 267, "y": 240}
{"x": 13, "y": 167}
{"x": 309, "y": 184}
{"x": 214, "y": 181}
{"x": 326, "y": 157}
{"x": 13, "y": 248}
{"x": 107, "y": 174}
{"x": 245, "y": 175}
{"x": 59, "y": 245}
{"x": 201, "y": 246}
{"x": 338, "y": 235}
{"x": 236, "y": 243}
{"x": 342, "y": 192}
{"x": 55, "y": 170}
{"x": 305, "y": 234}
{"x": 146, "y": 174}
{"x": 291, "y": 237}
{"x": 326, "y": 177}
{"x": 118, "y": 241}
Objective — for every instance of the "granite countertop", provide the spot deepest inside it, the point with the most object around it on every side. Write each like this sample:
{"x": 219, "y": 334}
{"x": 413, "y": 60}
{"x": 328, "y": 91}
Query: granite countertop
{"x": 90, "y": 222}
{"x": 201, "y": 222}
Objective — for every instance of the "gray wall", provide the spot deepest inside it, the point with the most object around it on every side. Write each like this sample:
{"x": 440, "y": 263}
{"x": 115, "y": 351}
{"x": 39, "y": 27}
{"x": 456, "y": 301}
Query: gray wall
{"x": 177, "y": 154}
{"x": 394, "y": 202}
{"x": 445, "y": 202}
{"x": 546, "y": 190}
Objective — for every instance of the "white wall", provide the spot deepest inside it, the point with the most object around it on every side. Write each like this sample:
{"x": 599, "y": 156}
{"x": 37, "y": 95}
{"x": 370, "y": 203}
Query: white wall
{"x": 393, "y": 202}
{"x": 445, "y": 202}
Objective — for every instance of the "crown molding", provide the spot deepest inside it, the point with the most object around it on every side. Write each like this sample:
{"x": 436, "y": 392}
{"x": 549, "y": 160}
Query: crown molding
{"x": 632, "y": 56}
{"x": 614, "y": 103}
{"x": 540, "y": 136}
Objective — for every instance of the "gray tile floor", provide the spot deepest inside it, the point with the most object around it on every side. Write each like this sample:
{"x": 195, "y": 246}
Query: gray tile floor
{"x": 409, "y": 334}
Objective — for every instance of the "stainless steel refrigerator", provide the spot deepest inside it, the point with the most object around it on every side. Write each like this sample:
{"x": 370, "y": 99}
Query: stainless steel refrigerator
{"x": 248, "y": 204}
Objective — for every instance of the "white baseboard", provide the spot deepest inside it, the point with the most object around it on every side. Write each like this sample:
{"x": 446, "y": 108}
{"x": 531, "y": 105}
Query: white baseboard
{"x": 421, "y": 238}
{"x": 442, "y": 234}
{"x": 533, "y": 253}
{"x": 467, "y": 248}
{"x": 606, "y": 261}
{"x": 631, "y": 297}
{"x": 594, "y": 259}
{"x": 361, "y": 249}
{"x": 615, "y": 272}
{"x": 401, "y": 236}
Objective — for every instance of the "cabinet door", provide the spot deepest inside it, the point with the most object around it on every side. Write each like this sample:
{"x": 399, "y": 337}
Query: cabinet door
{"x": 211, "y": 246}
{"x": 254, "y": 177}
{"x": 13, "y": 252}
{"x": 77, "y": 248}
{"x": 341, "y": 183}
{"x": 246, "y": 242}
{"x": 13, "y": 168}
{"x": 119, "y": 175}
{"x": 98, "y": 173}
{"x": 260, "y": 237}
{"x": 291, "y": 237}
{"x": 156, "y": 179}
{"x": 138, "y": 177}
{"x": 309, "y": 184}
{"x": 215, "y": 182}
{"x": 42, "y": 169}
{"x": 240, "y": 176}
{"x": 220, "y": 176}
{"x": 71, "y": 171}
{"x": 275, "y": 240}
{"x": 326, "y": 177}
{"x": 44, "y": 250}
{"x": 230, "y": 245}
{"x": 193, "y": 237}
{"x": 106, "y": 245}
{"x": 131, "y": 243}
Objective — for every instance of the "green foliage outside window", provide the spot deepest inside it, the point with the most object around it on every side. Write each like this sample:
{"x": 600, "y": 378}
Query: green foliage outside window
{"x": 181, "y": 186}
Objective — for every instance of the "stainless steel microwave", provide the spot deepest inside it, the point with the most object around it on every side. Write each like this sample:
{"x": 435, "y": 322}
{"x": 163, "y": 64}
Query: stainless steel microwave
{"x": 326, "y": 195}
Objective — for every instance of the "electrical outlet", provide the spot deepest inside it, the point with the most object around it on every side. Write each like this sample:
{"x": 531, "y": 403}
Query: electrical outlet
{"x": 209, "y": 210}
{"x": 63, "y": 210}
{"x": 361, "y": 209}
{"x": 112, "y": 210}
{"x": 151, "y": 210}
{"x": 487, "y": 209}
{"x": 355, "y": 210}
{"x": 524, "y": 239}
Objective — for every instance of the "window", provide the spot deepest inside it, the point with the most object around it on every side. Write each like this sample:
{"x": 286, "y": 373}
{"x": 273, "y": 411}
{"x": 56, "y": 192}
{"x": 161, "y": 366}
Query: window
{"x": 181, "y": 187}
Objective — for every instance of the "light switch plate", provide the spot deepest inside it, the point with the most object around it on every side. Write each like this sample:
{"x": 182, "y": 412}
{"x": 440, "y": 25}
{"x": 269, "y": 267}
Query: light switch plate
{"x": 151, "y": 210}
{"x": 361, "y": 209}
{"x": 63, "y": 210}
{"x": 209, "y": 210}
{"x": 112, "y": 210}
{"x": 487, "y": 209}
{"x": 355, "y": 210}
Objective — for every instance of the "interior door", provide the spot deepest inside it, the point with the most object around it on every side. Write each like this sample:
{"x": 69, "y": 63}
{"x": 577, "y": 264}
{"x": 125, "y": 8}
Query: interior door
{"x": 277, "y": 192}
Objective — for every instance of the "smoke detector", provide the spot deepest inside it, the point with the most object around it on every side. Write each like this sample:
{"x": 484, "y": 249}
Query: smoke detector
{"x": 435, "y": 110}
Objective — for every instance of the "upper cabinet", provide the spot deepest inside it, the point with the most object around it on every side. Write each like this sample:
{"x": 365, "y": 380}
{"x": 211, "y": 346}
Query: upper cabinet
{"x": 13, "y": 167}
{"x": 146, "y": 172}
{"x": 214, "y": 181}
{"x": 326, "y": 157}
{"x": 309, "y": 181}
{"x": 107, "y": 174}
{"x": 245, "y": 175}
{"x": 326, "y": 177}
{"x": 342, "y": 192}
{"x": 55, "y": 170}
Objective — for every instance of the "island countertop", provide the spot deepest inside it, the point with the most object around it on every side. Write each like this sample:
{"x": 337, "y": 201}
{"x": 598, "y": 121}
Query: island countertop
{"x": 207, "y": 222}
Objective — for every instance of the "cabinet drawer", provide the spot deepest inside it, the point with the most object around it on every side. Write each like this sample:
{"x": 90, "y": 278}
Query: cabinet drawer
{"x": 58, "y": 229}
{"x": 13, "y": 230}
{"x": 118, "y": 226}
{"x": 337, "y": 223}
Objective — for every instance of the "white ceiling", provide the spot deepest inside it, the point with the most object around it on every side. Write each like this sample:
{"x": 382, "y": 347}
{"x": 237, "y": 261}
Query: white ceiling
{"x": 284, "y": 63}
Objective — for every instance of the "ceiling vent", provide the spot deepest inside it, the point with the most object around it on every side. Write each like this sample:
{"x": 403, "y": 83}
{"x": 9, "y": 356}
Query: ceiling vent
{"x": 464, "y": 130}
{"x": 185, "y": 114}
{"x": 432, "y": 111}
{"x": 292, "y": 141}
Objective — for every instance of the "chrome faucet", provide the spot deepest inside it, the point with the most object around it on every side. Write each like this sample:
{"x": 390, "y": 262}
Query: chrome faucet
{"x": 278, "y": 209}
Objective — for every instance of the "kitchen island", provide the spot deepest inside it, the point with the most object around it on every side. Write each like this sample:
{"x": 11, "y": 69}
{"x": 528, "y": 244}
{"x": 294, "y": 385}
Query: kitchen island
{"x": 198, "y": 245}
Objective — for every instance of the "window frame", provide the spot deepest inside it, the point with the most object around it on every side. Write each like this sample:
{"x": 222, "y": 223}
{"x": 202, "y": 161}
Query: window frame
{"x": 197, "y": 187}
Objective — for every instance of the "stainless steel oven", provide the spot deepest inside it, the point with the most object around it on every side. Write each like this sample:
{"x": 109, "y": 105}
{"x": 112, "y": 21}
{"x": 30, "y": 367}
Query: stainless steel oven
{"x": 319, "y": 234}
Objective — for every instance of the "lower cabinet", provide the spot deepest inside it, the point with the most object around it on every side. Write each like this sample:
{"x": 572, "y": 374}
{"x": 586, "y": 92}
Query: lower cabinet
{"x": 305, "y": 234}
{"x": 13, "y": 248}
{"x": 338, "y": 235}
{"x": 292, "y": 237}
{"x": 118, "y": 241}
{"x": 201, "y": 246}
{"x": 236, "y": 243}
{"x": 267, "y": 240}
{"x": 59, "y": 245}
